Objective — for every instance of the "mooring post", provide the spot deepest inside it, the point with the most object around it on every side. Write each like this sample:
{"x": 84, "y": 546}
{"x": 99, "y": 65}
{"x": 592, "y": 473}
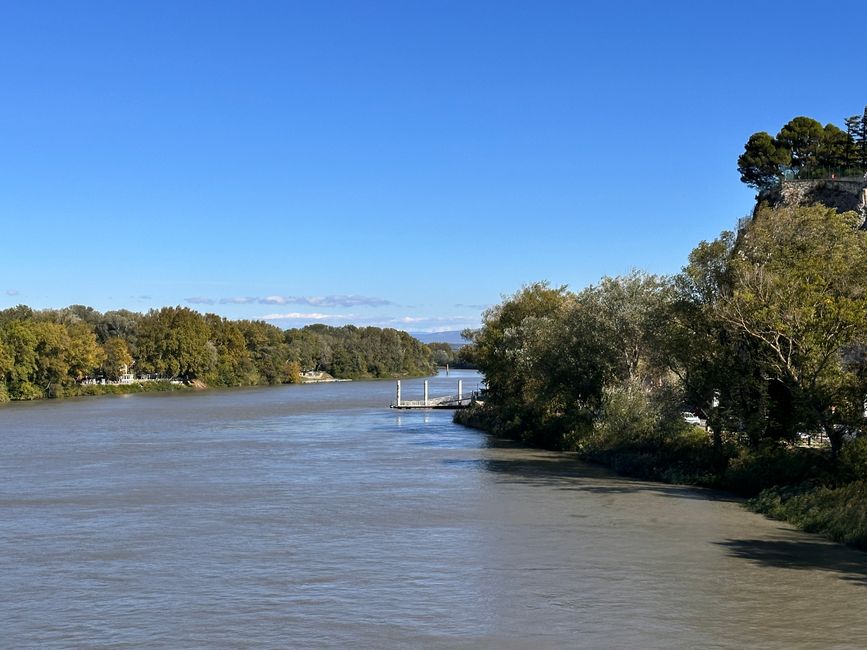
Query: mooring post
{"x": 398, "y": 392}
{"x": 460, "y": 389}
{"x": 425, "y": 392}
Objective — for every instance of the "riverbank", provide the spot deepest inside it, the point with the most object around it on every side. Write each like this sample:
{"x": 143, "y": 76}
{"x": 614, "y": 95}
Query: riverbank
{"x": 801, "y": 486}
{"x": 166, "y": 385}
{"x": 92, "y": 390}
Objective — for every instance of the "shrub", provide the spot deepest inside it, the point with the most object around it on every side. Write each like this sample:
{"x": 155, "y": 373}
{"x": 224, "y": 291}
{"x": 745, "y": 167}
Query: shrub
{"x": 750, "y": 472}
{"x": 838, "y": 513}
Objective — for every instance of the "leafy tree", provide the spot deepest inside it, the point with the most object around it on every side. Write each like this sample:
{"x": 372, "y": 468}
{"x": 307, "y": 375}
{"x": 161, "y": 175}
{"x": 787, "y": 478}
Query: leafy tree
{"x": 83, "y": 353}
{"x": 120, "y": 323}
{"x": 116, "y": 357}
{"x": 802, "y": 137}
{"x": 267, "y": 349}
{"x": 293, "y": 372}
{"x": 52, "y": 362}
{"x": 762, "y": 161}
{"x": 173, "y": 341}
{"x": 17, "y": 313}
{"x": 19, "y": 342}
{"x": 629, "y": 309}
{"x": 832, "y": 151}
{"x": 234, "y": 365}
{"x": 798, "y": 293}
{"x": 690, "y": 339}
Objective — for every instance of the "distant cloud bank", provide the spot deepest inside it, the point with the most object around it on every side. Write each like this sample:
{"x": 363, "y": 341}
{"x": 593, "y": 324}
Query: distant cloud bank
{"x": 312, "y": 317}
{"x": 11, "y": 292}
{"x": 337, "y": 300}
{"x": 346, "y": 301}
{"x": 409, "y": 323}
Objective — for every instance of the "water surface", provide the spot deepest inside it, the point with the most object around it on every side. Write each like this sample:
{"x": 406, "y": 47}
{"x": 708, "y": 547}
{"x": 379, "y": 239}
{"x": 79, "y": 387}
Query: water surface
{"x": 313, "y": 516}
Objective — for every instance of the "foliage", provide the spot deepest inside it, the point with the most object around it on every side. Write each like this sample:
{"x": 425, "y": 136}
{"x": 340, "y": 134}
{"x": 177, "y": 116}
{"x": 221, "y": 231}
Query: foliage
{"x": 762, "y": 161}
{"x": 763, "y": 333}
{"x": 804, "y": 148}
{"x": 446, "y": 354}
{"x": 798, "y": 294}
{"x": 836, "y": 512}
{"x": 117, "y": 358}
{"x": 173, "y": 342}
{"x": 352, "y": 352}
{"x": 50, "y": 353}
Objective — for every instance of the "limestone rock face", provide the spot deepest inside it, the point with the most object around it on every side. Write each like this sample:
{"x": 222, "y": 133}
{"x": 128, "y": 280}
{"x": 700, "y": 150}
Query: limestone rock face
{"x": 842, "y": 194}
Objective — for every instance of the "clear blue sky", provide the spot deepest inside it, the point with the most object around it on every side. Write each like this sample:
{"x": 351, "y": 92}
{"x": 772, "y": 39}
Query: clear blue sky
{"x": 395, "y": 163}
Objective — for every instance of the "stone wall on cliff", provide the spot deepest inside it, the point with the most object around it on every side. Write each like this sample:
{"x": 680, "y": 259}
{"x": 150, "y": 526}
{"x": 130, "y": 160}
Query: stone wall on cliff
{"x": 842, "y": 194}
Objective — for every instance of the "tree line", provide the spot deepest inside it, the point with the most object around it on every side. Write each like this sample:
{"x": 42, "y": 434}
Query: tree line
{"x": 454, "y": 356}
{"x": 804, "y": 148}
{"x": 763, "y": 335}
{"x": 50, "y": 352}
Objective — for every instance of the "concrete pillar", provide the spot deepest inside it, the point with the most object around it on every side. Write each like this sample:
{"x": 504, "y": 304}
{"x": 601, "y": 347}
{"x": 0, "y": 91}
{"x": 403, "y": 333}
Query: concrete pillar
{"x": 425, "y": 392}
{"x": 398, "y": 393}
{"x": 460, "y": 389}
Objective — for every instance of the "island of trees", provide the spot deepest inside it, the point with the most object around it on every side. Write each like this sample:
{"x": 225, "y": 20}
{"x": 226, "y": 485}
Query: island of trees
{"x": 78, "y": 350}
{"x": 762, "y": 338}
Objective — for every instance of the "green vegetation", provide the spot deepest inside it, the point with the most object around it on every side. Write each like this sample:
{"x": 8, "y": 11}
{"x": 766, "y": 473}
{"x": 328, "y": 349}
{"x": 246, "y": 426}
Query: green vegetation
{"x": 805, "y": 149}
{"x": 763, "y": 335}
{"x": 359, "y": 352}
{"x": 80, "y": 351}
{"x": 446, "y": 354}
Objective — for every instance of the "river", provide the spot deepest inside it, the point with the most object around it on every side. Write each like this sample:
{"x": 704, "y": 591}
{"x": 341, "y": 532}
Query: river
{"x": 314, "y": 516}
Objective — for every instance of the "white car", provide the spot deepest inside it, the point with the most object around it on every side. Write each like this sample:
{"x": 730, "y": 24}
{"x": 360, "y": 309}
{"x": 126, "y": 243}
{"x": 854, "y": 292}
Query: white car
{"x": 692, "y": 418}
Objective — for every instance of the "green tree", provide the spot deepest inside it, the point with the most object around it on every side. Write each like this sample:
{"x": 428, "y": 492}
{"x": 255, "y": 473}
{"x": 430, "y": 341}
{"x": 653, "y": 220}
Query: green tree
{"x": 853, "y": 133}
{"x": 762, "y": 162}
{"x": 83, "y": 353}
{"x": 832, "y": 152}
{"x": 116, "y": 358}
{"x": 19, "y": 340}
{"x": 52, "y": 361}
{"x": 173, "y": 341}
{"x": 234, "y": 365}
{"x": 510, "y": 350}
{"x": 798, "y": 293}
{"x": 802, "y": 137}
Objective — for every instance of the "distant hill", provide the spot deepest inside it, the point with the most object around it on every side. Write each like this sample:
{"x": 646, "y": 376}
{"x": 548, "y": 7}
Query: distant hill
{"x": 452, "y": 337}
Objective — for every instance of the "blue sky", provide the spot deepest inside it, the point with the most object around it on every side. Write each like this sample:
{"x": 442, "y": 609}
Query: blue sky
{"x": 392, "y": 163}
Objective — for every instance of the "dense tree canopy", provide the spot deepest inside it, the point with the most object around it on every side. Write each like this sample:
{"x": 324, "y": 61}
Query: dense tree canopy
{"x": 48, "y": 353}
{"x": 798, "y": 293}
{"x": 763, "y": 334}
{"x": 805, "y": 148}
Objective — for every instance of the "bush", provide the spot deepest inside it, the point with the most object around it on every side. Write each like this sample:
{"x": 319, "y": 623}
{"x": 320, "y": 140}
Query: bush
{"x": 853, "y": 460}
{"x": 641, "y": 433}
{"x": 750, "y": 472}
{"x": 838, "y": 513}
{"x": 26, "y": 391}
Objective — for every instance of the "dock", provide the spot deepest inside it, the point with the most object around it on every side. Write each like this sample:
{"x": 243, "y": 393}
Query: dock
{"x": 457, "y": 401}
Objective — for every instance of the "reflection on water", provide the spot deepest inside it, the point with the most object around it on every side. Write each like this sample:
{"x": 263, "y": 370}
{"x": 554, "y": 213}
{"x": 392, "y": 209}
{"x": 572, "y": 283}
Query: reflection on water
{"x": 314, "y": 516}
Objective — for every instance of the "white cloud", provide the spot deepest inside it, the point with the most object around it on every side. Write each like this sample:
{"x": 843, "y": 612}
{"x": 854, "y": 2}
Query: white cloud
{"x": 237, "y": 301}
{"x": 334, "y": 300}
{"x": 312, "y": 316}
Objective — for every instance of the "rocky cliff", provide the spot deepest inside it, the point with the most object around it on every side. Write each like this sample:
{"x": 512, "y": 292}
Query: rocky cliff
{"x": 842, "y": 194}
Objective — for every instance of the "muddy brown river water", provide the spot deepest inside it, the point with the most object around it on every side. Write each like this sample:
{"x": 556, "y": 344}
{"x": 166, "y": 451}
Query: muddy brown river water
{"x": 313, "y": 516}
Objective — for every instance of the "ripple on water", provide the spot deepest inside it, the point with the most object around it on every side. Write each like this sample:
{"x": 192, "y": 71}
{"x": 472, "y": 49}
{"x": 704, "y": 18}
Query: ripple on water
{"x": 275, "y": 518}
